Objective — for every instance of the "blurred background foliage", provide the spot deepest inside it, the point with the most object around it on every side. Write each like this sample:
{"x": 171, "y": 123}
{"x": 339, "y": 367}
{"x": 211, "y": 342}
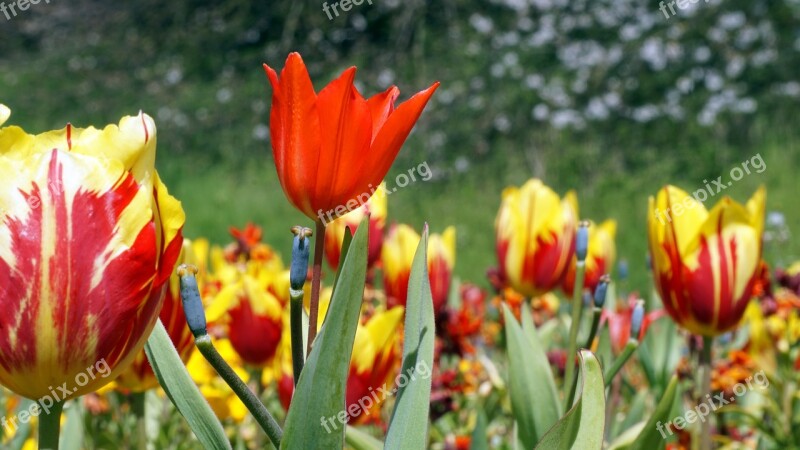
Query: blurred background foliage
{"x": 610, "y": 98}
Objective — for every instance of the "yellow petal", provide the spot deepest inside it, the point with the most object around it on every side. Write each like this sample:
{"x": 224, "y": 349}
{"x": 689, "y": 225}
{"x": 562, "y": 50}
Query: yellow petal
{"x": 756, "y": 206}
{"x": 5, "y": 113}
{"x": 372, "y": 338}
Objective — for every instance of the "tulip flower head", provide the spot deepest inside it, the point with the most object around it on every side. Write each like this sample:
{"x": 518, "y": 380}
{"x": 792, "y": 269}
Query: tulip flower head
{"x": 705, "y": 263}
{"x": 396, "y": 257}
{"x": 334, "y": 231}
{"x": 89, "y": 237}
{"x": 331, "y": 147}
{"x": 535, "y": 236}
{"x": 441, "y": 262}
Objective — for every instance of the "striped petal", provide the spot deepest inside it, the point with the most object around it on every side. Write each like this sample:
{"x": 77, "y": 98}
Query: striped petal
{"x": 77, "y": 265}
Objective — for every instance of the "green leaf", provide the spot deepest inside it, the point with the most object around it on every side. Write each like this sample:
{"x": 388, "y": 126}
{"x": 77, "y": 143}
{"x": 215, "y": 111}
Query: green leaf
{"x": 182, "y": 391}
{"x": 626, "y": 438}
{"x": 650, "y": 438}
{"x": 359, "y": 440}
{"x": 534, "y": 400}
{"x": 320, "y": 395}
{"x": 72, "y": 433}
{"x": 408, "y": 427}
{"x": 582, "y": 427}
{"x": 480, "y": 439}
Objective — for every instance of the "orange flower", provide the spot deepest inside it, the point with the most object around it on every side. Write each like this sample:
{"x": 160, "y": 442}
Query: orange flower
{"x": 705, "y": 263}
{"x": 331, "y": 148}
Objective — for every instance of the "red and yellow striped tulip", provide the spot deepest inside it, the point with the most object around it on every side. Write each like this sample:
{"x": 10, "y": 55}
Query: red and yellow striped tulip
{"x": 396, "y": 258}
{"x": 375, "y": 360}
{"x": 250, "y": 305}
{"x": 705, "y": 263}
{"x": 599, "y": 258}
{"x": 334, "y": 232}
{"x": 89, "y": 237}
{"x": 441, "y": 262}
{"x": 139, "y": 377}
{"x": 331, "y": 148}
{"x": 535, "y": 237}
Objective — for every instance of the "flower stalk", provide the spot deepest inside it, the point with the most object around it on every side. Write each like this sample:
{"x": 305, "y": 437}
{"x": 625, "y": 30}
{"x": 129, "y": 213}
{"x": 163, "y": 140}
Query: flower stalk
{"x": 316, "y": 281}
{"x": 50, "y": 427}
{"x": 630, "y": 347}
{"x": 195, "y": 317}
{"x": 297, "y": 279}
{"x": 581, "y": 248}
{"x": 705, "y": 388}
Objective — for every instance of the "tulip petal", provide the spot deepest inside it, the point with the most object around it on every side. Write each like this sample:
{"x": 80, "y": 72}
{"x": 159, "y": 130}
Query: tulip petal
{"x": 381, "y": 106}
{"x": 393, "y": 134}
{"x": 295, "y": 127}
{"x": 346, "y": 123}
{"x": 64, "y": 310}
{"x": 5, "y": 113}
{"x": 720, "y": 270}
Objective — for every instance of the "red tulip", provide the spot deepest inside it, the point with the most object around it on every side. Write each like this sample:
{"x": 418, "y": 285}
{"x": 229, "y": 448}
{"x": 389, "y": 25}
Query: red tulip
{"x": 333, "y": 148}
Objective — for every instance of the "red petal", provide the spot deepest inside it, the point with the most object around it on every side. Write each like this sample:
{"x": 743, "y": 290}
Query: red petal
{"x": 393, "y": 134}
{"x": 346, "y": 124}
{"x": 295, "y": 130}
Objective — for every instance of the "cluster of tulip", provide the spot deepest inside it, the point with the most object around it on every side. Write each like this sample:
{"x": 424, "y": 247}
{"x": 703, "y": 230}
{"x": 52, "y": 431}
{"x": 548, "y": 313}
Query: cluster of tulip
{"x": 90, "y": 240}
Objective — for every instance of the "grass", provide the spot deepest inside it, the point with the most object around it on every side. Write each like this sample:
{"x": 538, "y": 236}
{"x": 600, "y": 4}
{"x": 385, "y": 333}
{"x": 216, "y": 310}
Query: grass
{"x": 218, "y": 196}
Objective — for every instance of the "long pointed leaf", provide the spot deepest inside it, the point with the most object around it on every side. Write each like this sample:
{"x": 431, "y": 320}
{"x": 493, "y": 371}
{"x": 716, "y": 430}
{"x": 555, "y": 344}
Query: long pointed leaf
{"x": 534, "y": 401}
{"x": 651, "y": 437}
{"x": 180, "y": 388}
{"x": 318, "y": 404}
{"x": 408, "y": 427}
{"x": 359, "y": 440}
{"x": 583, "y": 426}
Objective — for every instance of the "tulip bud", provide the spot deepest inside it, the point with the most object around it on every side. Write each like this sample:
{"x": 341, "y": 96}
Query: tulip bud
{"x": 582, "y": 241}
{"x": 622, "y": 270}
{"x": 192, "y": 304}
{"x": 637, "y": 318}
{"x": 300, "y": 251}
{"x": 600, "y": 292}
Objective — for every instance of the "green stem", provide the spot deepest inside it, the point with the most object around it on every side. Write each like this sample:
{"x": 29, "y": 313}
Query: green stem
{"x": 50, "y": 427}
{"x": 577, "y": 303}
{"x": 250, "y": 400}
{"x": 296, "y": 326}
{"x": 631, "y": 347}
{"x": 138, "y": 408}
{"x": 705, "y": 388}
{"x": 313, "y": 312}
